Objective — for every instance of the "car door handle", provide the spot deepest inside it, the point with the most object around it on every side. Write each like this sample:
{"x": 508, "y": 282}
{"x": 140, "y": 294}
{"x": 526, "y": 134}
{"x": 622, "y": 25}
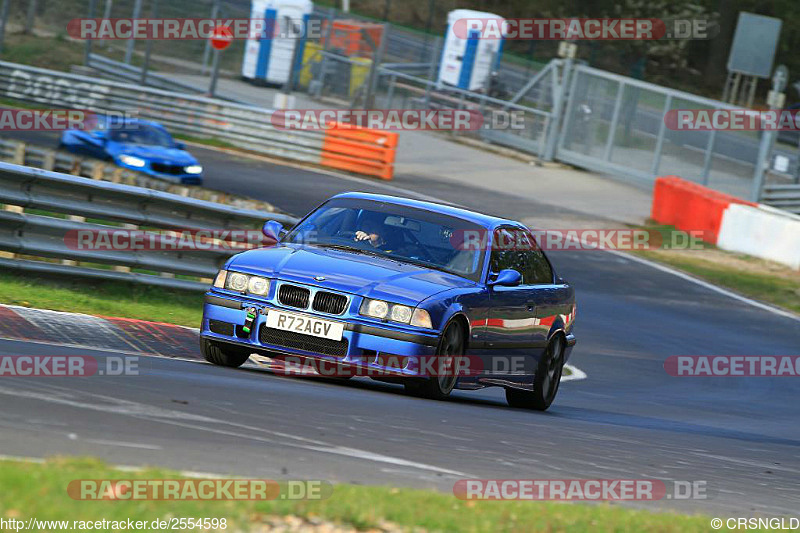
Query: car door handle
{"x": 531, "y": 307}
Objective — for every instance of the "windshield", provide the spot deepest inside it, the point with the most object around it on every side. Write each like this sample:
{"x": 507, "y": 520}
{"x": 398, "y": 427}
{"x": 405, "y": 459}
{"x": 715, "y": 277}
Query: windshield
{"x": 393, "y": 231}
{"x": 146, "y": 135}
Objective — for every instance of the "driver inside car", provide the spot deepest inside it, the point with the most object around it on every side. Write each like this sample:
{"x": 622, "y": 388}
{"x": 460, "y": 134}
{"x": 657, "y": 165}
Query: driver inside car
{"x": 379, "y": 235}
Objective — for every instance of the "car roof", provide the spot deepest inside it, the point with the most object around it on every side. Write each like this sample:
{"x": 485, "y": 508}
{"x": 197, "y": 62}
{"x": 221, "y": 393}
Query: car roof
{"x": 486, "y": 221}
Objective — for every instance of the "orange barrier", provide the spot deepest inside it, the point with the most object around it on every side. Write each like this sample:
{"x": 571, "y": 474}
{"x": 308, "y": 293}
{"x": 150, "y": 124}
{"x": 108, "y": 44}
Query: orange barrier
{"x": 360, "y": 150}
{"x": 690, "y": 207}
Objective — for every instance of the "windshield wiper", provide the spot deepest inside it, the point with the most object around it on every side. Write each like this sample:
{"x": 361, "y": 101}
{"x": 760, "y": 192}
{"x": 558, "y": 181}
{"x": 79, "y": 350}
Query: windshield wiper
{"x": 345, "y": 248}
{"x": 420, "y": 262}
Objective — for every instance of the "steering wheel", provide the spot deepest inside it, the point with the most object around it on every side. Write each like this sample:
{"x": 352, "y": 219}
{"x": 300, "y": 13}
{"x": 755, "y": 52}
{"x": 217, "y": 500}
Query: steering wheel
{"x": 348, "y": 238}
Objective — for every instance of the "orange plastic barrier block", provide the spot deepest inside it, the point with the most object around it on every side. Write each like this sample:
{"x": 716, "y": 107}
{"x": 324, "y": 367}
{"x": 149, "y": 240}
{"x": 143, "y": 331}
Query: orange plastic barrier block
{"x": 357, "y": 165}
{"x": 690, "y": 207}
{"x": 360, "y": 150}
{"x": 386, "y": 139}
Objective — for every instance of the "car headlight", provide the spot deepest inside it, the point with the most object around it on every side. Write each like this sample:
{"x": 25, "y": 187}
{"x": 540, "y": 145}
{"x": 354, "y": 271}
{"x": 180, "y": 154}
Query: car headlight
{"x": 132, "y": 160}
{"x": 257, "y": 286}
{"x": 193, "y": 169}
{"x": 236, "y": 281}
{"x": 395, "y": 312}
{"x": 375, "y": 308}
{"x": 401, "y": 313}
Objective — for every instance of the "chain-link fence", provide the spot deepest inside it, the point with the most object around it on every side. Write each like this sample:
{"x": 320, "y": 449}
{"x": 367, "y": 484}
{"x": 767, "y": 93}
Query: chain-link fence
{"x": 579, "y": 115}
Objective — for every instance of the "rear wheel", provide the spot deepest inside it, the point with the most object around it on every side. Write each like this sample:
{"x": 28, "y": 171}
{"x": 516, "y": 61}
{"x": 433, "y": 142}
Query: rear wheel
{"x": 451, "y": 347}
{"x": 546, "y": 381}
{"x": 227, "y": 356}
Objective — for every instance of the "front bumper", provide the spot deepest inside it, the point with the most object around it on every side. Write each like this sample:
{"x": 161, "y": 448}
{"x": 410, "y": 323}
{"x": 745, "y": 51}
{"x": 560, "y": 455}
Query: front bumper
{"x": 182, "y": 178}
{"x": 368, "y": 345}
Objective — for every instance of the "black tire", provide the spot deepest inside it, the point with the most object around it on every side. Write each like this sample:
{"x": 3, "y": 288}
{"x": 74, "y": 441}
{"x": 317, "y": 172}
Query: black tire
{"x": 440, "y": 387}
{"x": 546, "y": 381}
{"x": 228, "y": 356}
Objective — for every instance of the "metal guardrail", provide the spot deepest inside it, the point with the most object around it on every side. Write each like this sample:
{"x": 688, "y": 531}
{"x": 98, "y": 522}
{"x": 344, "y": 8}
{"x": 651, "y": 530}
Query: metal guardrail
{"x": 244, "y": 126}
{"x": 21, "y": 153}
{"x": 124, "y": 72}
{"x": 47, "y": 236}
{"x": 782, "y": 196}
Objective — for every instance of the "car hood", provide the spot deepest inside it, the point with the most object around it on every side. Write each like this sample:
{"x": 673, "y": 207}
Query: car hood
{"x": 158, "y": 154}
{"x": 360, "y": 274}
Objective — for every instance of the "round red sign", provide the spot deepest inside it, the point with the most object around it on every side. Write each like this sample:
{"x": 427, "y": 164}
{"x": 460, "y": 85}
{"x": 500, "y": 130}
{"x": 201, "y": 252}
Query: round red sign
{"x": 221, "y": 37}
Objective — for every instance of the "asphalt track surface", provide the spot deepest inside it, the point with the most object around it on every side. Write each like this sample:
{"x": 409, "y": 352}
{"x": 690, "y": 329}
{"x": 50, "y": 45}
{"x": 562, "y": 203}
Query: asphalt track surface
{"x": 629, "y": 419}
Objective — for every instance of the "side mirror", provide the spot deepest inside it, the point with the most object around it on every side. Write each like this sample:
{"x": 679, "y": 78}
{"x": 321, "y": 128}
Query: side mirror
{"x": 507, "y": 278}
{"x": 180, "y": 146}
{"x": 273, "y": 229}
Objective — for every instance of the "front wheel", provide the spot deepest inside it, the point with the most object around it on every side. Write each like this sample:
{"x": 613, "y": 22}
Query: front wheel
{"x": 228, "y": 356}
{"x": 451, "y": 347}
{"x": 546, "y": 381}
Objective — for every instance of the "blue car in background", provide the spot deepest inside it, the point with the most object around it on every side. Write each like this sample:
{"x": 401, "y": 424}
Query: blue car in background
{"x": 138, "y": 145}
{"x": 387, "y": 284}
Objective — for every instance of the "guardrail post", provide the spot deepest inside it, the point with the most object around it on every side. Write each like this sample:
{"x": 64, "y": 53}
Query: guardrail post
{"x": 98, "y": 171}
{"x": 10, "y": 209}
{"x": 49, "y": 161}
{"x": 19, "y": 154}
{"x": 74, "y": 218}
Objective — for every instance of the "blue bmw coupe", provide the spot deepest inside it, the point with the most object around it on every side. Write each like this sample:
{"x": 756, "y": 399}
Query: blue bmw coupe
{"x": 390, "y": 284}
{"x": 136, "y": 144}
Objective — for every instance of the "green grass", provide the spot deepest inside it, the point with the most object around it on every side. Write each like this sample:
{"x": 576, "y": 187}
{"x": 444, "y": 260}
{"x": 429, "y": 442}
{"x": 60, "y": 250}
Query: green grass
{"x": 208, "y": 141}
{"x": 128, "y": 300}
{"x": 54, "y": 53}
{"x": 40, "y": 491}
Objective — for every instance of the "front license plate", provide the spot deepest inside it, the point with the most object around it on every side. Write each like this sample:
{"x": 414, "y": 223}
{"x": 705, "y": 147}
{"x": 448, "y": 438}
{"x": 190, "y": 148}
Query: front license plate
{"x": 307, "y": 325}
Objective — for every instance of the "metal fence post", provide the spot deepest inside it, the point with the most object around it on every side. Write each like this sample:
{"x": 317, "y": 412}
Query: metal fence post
{"x": 88, "y": 50}
{"x": 212, "y": 87}
{"x": 30, "y": 16}
{"x": 137, "y": 10}
{"x": 390, "y": 93}
{"x": 558, "y": 110}
{"x": 432, "y": 70}
{"x": 207, "y": 49}
{"x": 762, "y": 162}
{"x": 707, "y": 160}
{"x": 4, "y": 15}
{"x": 612, "y": 128}
{"x": 662, "y": 130}
{"x": 148, "y": 49}
{"x": 377, "y": 59}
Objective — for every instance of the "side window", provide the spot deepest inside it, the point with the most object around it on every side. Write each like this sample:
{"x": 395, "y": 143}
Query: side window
{"x": 522, "y": 253}
{"x": 502, "y": 258}
{"x": 537, "y": 268}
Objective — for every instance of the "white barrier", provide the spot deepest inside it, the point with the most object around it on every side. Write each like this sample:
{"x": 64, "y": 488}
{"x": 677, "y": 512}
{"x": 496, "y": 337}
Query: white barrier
{"x": 762, "y": 232}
